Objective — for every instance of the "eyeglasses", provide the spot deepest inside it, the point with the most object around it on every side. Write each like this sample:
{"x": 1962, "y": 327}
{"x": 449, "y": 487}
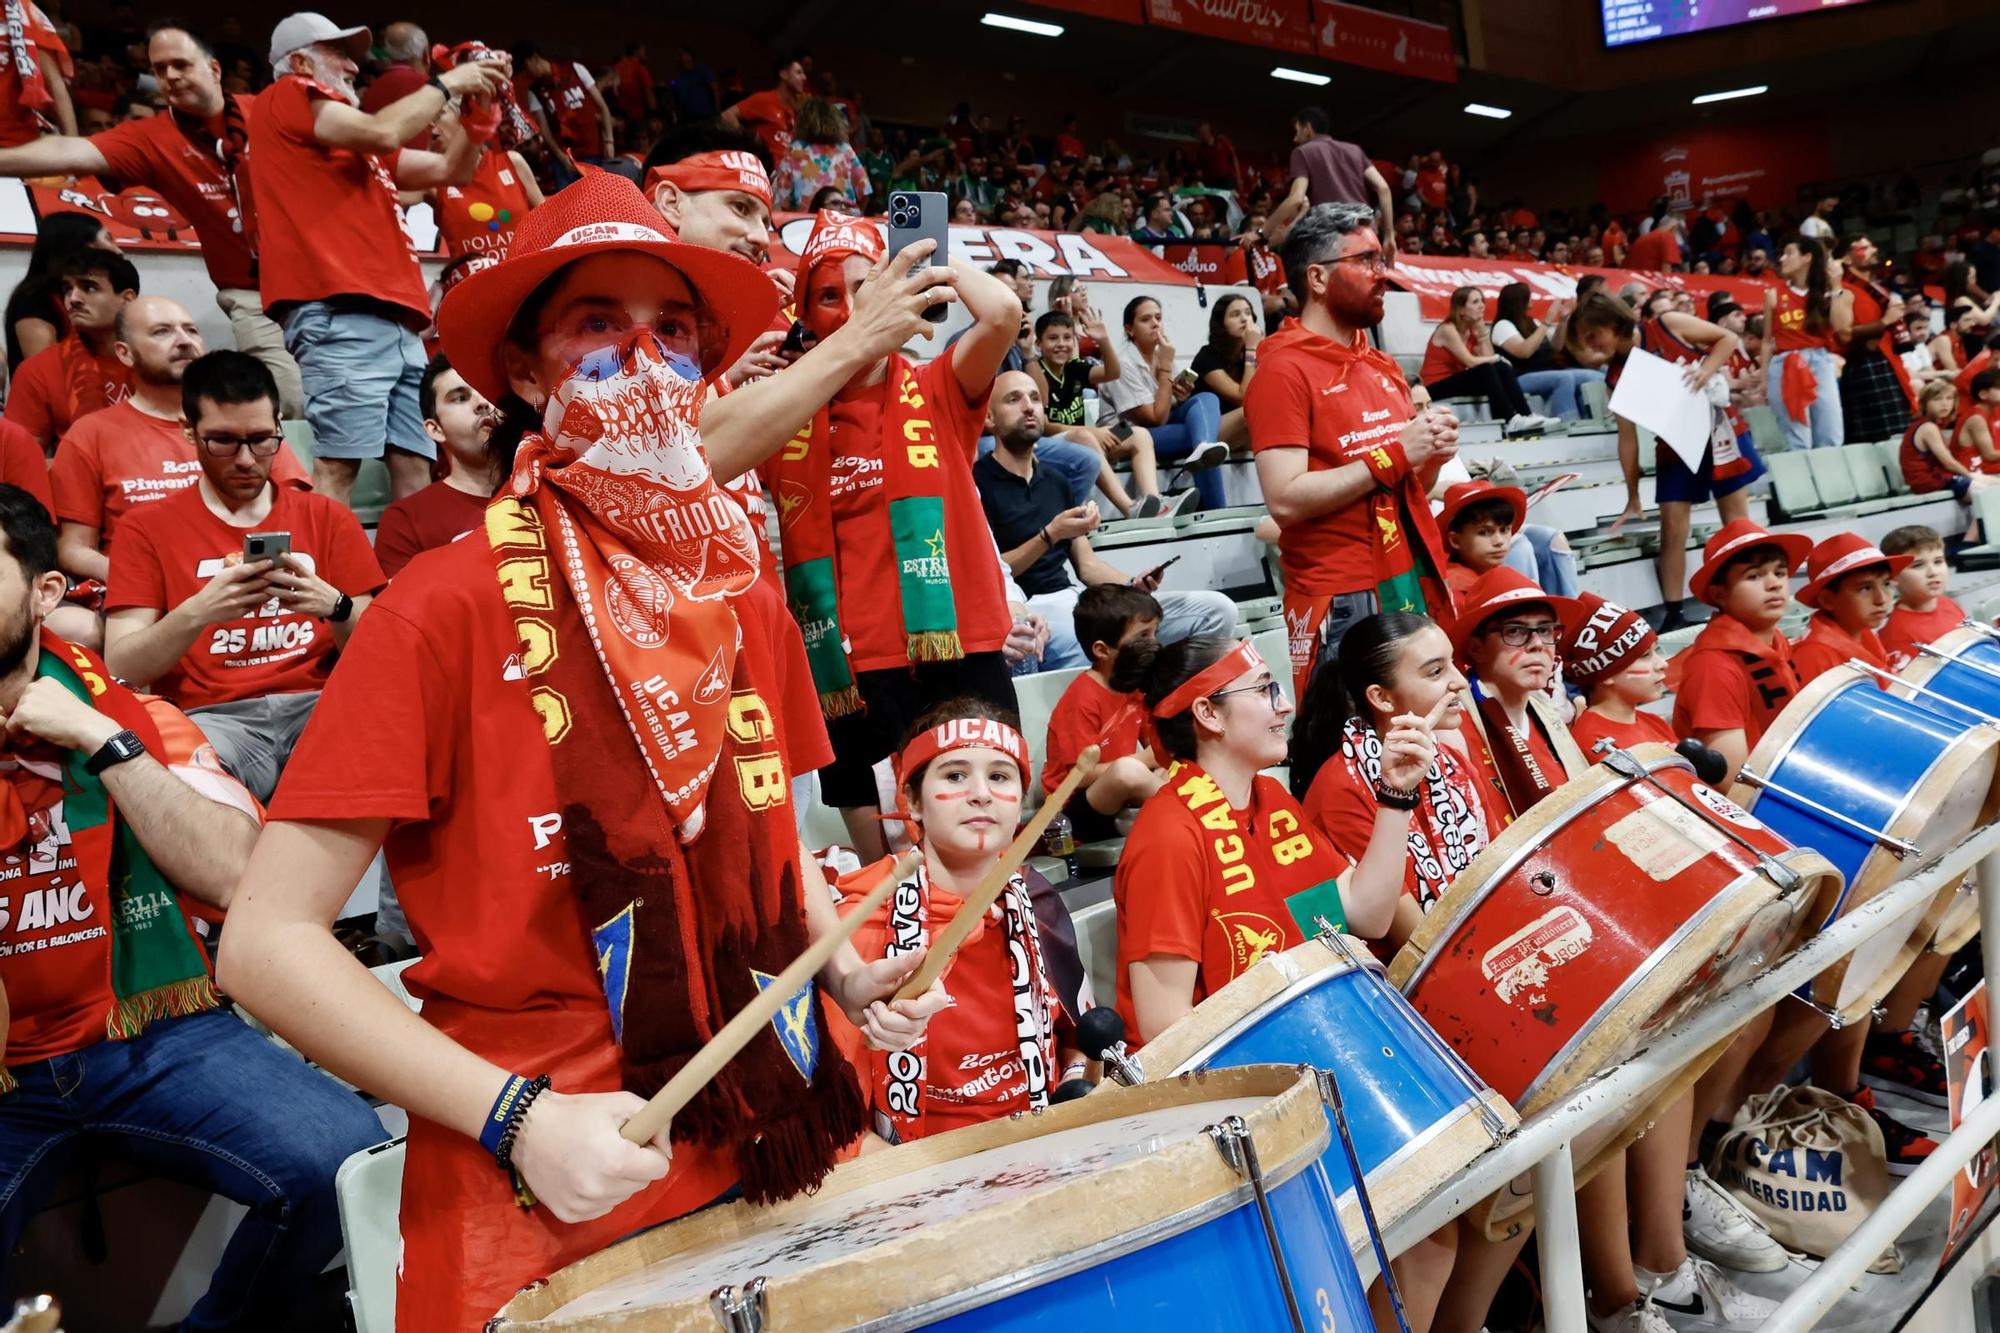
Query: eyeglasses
{"x": 1372, "y": 260}
{"x": 227, "y": 446}
{"x": 1517, "y": 635}
{"x": 1270, "y": 689}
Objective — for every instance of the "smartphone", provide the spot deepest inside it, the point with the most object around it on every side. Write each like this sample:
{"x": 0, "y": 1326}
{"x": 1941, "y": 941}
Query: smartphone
{"x": 916, "y": 215}
{"x": 266, "y": 546}
{"x": 1158, "y": 569}
{"x": 1185, "y": 378}
{"x": 1121, "y": 430}
{"x": 795, "y": 341}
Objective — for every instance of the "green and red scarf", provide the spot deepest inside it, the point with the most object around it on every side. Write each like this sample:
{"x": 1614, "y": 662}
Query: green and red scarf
{"x": 632, "y": 580}
{"x": 151, "y": 965}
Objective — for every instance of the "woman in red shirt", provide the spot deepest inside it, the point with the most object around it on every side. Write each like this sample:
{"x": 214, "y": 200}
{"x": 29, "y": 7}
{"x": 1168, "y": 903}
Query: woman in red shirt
{"x": 1460, "y": 361}
{"x": 479, "y": 217}
{"x": 995, "y": 1051}
{"x": 1804, "y": 318}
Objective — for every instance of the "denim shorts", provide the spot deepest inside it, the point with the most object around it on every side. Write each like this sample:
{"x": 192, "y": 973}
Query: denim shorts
{"x": 361, "y": 372}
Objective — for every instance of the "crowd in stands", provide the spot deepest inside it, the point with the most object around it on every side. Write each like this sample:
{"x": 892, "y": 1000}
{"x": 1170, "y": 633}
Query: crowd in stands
{"x": 591, "y": 427}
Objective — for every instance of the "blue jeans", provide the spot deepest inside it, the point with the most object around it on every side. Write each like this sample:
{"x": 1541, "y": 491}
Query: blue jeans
{"x": 206, "y": 1100}
{"x": 1825, "y": 426}
{"x": 1535, "y": 556}
{"x": 1560, "y": 387}
{"x": 1077, "y": 463}
{"x": 1194, "y": 420}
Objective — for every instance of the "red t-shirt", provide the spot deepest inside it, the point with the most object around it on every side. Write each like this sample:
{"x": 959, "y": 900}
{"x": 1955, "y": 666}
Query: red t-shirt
{"x": 437, "y": 514}
{"x": 1292, "y": 402}
{"x": 1726, "y": 691}
{"x": 428, "y": 724}
{"x": 39, "y": 397}
{"x": 1166, "y": 904}
{"x": 1791, "y": 320}
{"x": 870, "y": 614}
{"x": 1655, "y": 251}
{"x": 1591, "y": 726}
{"x": 392, "y": 85}
{"x": 766, "y": 115}
{"x": 22, "y": 464}
{"x": 1826, "y": 645}
{"x": 1909, "y": 630}
{"x": 49, "y": 1014}
{"x": 185, "y": 166}
{"x": 118, "y": 458}
{"x": 635, "y": 84}
{"x": 1459, "y": 577}
{"x": 328, "y": 224}
{"x": 170, "y": 550}
{"x": 1079, "y": 719}
{"x": 479, "y": 216}
{"x": 572, "y": 115}
{"x": 18, "y": 123}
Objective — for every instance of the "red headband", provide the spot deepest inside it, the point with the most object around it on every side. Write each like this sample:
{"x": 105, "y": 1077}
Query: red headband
{"x": 962, "y": 733}
{"x": 733, "y": 169}
{"x": 1243, "y": 657}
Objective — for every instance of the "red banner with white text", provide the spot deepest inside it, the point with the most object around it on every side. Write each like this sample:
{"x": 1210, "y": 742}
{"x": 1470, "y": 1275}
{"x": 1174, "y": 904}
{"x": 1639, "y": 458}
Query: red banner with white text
{"x": 1434, "y": 277}
{"x": 1282, "y": 25}
{"x": 1048, "y": 254}
{"x": 1357, "y": 36}
{"x": 1765, "y": 164}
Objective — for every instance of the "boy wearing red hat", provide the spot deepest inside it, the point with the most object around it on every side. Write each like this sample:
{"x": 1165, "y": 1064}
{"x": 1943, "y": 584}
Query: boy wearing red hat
{"x": 592, "y": 711}
{"x": 1505, "y": 638}
{"x": 1738, "y": 674}
{"x": 1478, "y": 520}
{"x": 1613, "y": 656}
{"x": 1851, "y": 585}
{"x": 888, "y": 558}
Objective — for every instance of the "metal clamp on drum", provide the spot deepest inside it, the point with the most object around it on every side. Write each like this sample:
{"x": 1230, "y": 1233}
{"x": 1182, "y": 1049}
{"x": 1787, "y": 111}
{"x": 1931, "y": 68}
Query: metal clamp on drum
{"x": 1239, "y": 1149}
{"x": 740, "y": 1313}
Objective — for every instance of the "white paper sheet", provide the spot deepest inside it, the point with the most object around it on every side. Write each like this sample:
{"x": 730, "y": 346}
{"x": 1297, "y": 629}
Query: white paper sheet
{"x": 1652, "y": 393}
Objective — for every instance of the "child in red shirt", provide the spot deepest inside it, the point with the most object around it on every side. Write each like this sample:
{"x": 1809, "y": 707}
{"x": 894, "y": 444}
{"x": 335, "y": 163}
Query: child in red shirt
{"x": 1478, "y": 521}
{"x": 1738, "y": 673}
{"x": 1923, "y": 614}
{"x": 1850, "y": 583}
{"x": 995, "y": 1051}
{"x": 1613, "y": 656}
{"x": 1090, "y": 712}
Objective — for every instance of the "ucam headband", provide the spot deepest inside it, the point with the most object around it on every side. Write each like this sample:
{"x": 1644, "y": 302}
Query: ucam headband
{"x": 728, "y": 169}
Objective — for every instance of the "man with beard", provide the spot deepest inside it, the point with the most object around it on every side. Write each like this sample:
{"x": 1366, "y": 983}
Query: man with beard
{"x": 242, "y": 645}
{"x": 1873, "y": 403}
{"x": 119, "y": 821}
{"x": 461, "y": 422}
{"x": 1344, "y": 458}
{"x": 189, "y": 157}
{"x": 79, "y": 373}
{"x": 334, "y": 263}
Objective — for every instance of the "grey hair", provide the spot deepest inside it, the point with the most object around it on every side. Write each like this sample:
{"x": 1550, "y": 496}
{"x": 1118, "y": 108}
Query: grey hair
{"x": 407, "y": 43}
{"x": 1314, "y": 238}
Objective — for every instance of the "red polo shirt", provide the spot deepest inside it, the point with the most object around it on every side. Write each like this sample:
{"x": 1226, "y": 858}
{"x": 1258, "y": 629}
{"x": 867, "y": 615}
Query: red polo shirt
{"x": 183, "y": 162}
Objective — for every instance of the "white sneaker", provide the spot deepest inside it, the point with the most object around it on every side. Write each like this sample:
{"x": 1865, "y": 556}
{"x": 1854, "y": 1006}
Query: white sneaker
{"x": 1551, "y": 423}
{"x": 1697, "y": 1296}
{"x": 1521, "y": 423}
{"x": 1178, "y": 501}
{"x": 1209, "y": 453}
{"x": 1720, "y": 1229}
{"x": 1638, "y": 1317}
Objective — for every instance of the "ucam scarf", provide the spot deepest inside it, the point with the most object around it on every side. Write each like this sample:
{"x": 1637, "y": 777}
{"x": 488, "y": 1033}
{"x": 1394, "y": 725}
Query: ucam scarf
{"x": 150, "y": 963}
{"x": 621, "y": 561}
{"x": 1448, "y": 828}
{"x": 1510, "y": 763}
{"x": 913, "y": 479}
{"x": 28, "y": 33}
{"x": 1259, "y": 865}
{"x": 904, "y": 1077}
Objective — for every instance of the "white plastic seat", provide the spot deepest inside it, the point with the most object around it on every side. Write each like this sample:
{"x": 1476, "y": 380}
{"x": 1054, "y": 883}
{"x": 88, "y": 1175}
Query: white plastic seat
{"x": 369, "y": 1187}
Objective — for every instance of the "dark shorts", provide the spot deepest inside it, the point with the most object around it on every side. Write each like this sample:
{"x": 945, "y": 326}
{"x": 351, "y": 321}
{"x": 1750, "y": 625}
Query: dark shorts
{"x": 1675, "y": 484}
{"x": 1085, "y": 824}
{"x": 891, "y": 701}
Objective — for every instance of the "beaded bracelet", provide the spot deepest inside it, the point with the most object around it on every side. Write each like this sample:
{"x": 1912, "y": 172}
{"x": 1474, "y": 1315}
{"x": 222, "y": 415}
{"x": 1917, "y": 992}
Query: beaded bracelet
{"x": 1391, "y": 799}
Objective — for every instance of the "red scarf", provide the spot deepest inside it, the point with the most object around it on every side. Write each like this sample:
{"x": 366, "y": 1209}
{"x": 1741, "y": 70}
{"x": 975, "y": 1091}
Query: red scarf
{"x": 28, "y": 33}
{"x": 1507, "y": 757}
{"x": 1724, "y": 633}
{"x": 1867, "y": 645}
{"x": 1398, "y": 505}
{"x": 1797, "y": 386}
{"x": 1450, "y": 826}
{"x": 87, "y": 379}
{"x": 649, "y": 684}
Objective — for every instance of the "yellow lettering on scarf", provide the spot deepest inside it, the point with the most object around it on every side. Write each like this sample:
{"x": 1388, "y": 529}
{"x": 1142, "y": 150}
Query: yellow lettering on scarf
{"x": 538, "y": 644}
{"x": 554, "y": 710}
{"x": 513, "y": 525}
{"x": 1229, "y": 849}
{"x": 91, "y": 680}
{"x": 1199, "y": 790}
{"x": 917, "y": 431}
{"x": 907, "y": 393}
{"x": 1237, "y": 878}
{"x": 761, "y": 779}
{"x": 749, "y": 717}
{"x": 1218, "y": 817}
{"x": 799, "y": 445}
{"x": 1293, "y": 848}
{"x": 524, "y": 581}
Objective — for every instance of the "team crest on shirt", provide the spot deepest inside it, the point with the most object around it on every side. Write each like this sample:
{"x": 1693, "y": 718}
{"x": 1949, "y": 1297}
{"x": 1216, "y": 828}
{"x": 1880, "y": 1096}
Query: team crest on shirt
{"x": 794, "y": 1026}
{"x": 1251, "y": 935}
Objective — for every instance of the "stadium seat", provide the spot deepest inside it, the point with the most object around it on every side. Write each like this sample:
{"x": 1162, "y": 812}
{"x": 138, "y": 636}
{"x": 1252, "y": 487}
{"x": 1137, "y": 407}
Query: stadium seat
{"x": 1891, "y": 452}
{"x": 1097, "y": 940}
{"x": 1835, "y": 483}
{"x": 1596, "y": 401}
{"x": 822, "y": 825}
{"x": 1649, "y": 452}
{"x": 1792, "y": 487}
{"x": 1037, "y": 696}
{"x": 369, "y": 1186}
{"x": 1864, "y": 467}
{"x": 1765, "y": 431}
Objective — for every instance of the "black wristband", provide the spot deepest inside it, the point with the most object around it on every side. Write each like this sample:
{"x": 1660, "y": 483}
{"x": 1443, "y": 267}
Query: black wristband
{"x": 1390, "y": 799}
{"x": 343, "y": 607}
{"x": 435, "y": 82}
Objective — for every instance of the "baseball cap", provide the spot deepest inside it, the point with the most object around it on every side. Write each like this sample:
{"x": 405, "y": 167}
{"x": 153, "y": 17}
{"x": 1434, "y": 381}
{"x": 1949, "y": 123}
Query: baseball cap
{"x": 306, "y": 29}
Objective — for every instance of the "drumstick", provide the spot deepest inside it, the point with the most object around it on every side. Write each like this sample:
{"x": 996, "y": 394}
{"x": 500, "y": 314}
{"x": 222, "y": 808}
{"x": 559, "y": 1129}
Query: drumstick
{"x": 989, "y": 886}
{"x": 660, "y": 1109}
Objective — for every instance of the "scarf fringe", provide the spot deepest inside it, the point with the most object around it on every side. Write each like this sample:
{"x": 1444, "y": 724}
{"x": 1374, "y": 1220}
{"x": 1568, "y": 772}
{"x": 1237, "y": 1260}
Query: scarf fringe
{"x": 793, "y": 1153}
{"x": 841, "y": 702}
{"x": 177, "y": 999}
{"x": 938, "y": 645}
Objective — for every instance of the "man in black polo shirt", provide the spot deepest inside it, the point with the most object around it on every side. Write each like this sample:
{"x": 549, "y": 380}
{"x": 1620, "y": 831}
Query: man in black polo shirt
{"x": 1045, "y": 541}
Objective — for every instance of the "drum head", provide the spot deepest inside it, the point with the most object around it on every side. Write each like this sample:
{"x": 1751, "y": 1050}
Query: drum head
{"x": 961, "y": 1219}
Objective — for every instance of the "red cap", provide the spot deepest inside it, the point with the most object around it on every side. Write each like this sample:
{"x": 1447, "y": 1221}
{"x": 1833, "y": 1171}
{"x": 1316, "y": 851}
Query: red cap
{"x": 1456, "y": 498}
{"x": 836, "y": 236}
{"x": 1600, "y": 637}
{"x": 1843, "y": 553}
{"x": 1501, "y": 589}
{"x": 1732, "y": 539}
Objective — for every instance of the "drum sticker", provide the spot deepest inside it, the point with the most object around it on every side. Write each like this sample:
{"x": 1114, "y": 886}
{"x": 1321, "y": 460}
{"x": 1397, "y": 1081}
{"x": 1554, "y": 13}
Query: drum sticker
{"x": 1522, "y": 962}
{"x": 794, "y": 1025}
{"x": 1725, "y": 809}
{"x": 1663, "y": 839}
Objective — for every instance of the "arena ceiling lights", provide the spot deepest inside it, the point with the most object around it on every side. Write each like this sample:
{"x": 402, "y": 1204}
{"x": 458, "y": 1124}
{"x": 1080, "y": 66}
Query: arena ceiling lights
{"x": 1732, "y": 94}
{"x": 1035, "y": 26}
{"x": 1301, "y": 76}
{"x": 1490, "y": 112}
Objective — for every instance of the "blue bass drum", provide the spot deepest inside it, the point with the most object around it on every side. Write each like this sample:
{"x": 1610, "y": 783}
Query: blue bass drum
{"x": 1876, "y": 785}
{"x": 1958, "y": 676}
{"x": 1418, "y": 1115}
{"x": 1146, "y": 1208}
